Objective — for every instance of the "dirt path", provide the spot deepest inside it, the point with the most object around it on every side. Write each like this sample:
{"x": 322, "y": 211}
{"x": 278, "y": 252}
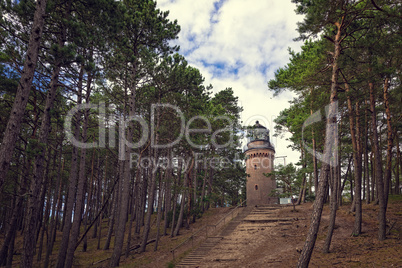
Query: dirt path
{"x": 273, "y": 237}
{"x": 262, "y": 239}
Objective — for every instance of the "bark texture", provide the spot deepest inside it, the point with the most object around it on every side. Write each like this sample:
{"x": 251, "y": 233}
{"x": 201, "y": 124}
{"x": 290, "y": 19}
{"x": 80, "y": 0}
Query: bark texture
{"x": 13, "y": 128}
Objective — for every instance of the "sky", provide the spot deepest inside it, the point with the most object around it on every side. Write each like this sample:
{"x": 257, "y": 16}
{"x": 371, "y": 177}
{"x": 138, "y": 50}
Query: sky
{"x": 240, "y": 44}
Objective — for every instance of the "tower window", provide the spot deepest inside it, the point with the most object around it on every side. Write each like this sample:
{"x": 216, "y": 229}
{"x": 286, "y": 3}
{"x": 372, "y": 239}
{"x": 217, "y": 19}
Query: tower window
{"x": 256, "y": 187}
{"x": 255, "y": 166}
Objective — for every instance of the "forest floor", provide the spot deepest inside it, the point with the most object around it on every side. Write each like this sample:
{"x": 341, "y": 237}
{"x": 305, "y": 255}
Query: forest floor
{"x": 277, "y": 244}
{"x": 271, "y": 245}
{"x": 93, "y": 257}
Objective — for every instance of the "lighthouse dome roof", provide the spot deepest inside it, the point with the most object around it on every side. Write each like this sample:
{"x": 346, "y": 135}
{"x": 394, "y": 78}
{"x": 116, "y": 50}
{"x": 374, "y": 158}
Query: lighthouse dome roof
{"x": 258, "y": 125}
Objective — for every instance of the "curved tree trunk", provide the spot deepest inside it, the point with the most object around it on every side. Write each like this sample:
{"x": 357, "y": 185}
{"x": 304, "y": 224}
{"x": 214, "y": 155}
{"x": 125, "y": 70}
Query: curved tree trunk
{"x": 14, "y": 123}
{"x": 330, "y": 135}
{"x": 38, "y": 178}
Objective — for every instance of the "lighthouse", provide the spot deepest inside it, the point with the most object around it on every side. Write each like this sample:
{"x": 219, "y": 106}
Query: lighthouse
{"x": 260, "y": 156}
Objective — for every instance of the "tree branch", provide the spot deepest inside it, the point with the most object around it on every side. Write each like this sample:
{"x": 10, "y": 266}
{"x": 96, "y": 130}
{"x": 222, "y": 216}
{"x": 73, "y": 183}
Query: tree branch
{"x": 377, "y": 7}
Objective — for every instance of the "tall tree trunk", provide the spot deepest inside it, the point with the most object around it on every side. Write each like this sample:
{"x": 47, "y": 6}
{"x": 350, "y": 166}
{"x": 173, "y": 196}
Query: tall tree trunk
{"x": 338, "y": 178}
{"x": 143, "y": 200}
{"x": 315, "y": 166}
{"x": 387, "y": 179}
{"x": 38, "y": 178}
{"x": 302, "y": 193}
{"x": 204, "y": 182}
{"x": 133, "y": 208}
{"x": 43, "y": 190}
{"x": 190, "y": 205}
{"x": 57, "y": 200}
{"x": 334, "y": 193}
{"x": 168, "y": 197}
{"x": 151, "y": 194}
{"x": 138, "y": 199}
{"x": 330, "y": 135}
{"x": 72, "y": 180}
{"x": 45, "y": 228}
{"x": 14, "y": 123}
{"x": 373, "y": 177}
{"x": 195, "y": 192}
{"x": 398, "y": 163}
{"x": 365, "y": 156}
{"x": 210, "y": 183}
{"x": 147, "y": 225}
{"x": 182, "y": 202}
{"x": 189, "y": 199}
{"x": 11, "y": 233}
{"x": 176, "y": 190}
{"x": 81, "y": 187}
{"x": 356, "y": 162}
{"x": 151, "y": 197}
{"x": 90, "y": 202}
{"x": 100, "y": 199}
{"x": 16, "y": 212}
{"x": 125, "y": 189}
{"x": 346, "y": 177}
{"x": 358, "y": 175}
{"x": 11, "y": 252}
{"x": 159, "y": 217}
{"x": 113, "y": 213}
{"x": 378, "y": 168}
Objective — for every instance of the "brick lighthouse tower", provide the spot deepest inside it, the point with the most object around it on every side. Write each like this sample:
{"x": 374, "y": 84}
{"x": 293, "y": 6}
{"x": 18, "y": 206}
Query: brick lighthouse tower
{"x": 260, "y": 156}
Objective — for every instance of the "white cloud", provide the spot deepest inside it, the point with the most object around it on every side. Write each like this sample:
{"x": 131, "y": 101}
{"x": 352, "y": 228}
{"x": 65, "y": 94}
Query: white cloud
{"x": 249, "y": 41}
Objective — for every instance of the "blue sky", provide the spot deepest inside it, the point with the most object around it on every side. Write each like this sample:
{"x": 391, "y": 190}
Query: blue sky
{"x": 240, "y": 44}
